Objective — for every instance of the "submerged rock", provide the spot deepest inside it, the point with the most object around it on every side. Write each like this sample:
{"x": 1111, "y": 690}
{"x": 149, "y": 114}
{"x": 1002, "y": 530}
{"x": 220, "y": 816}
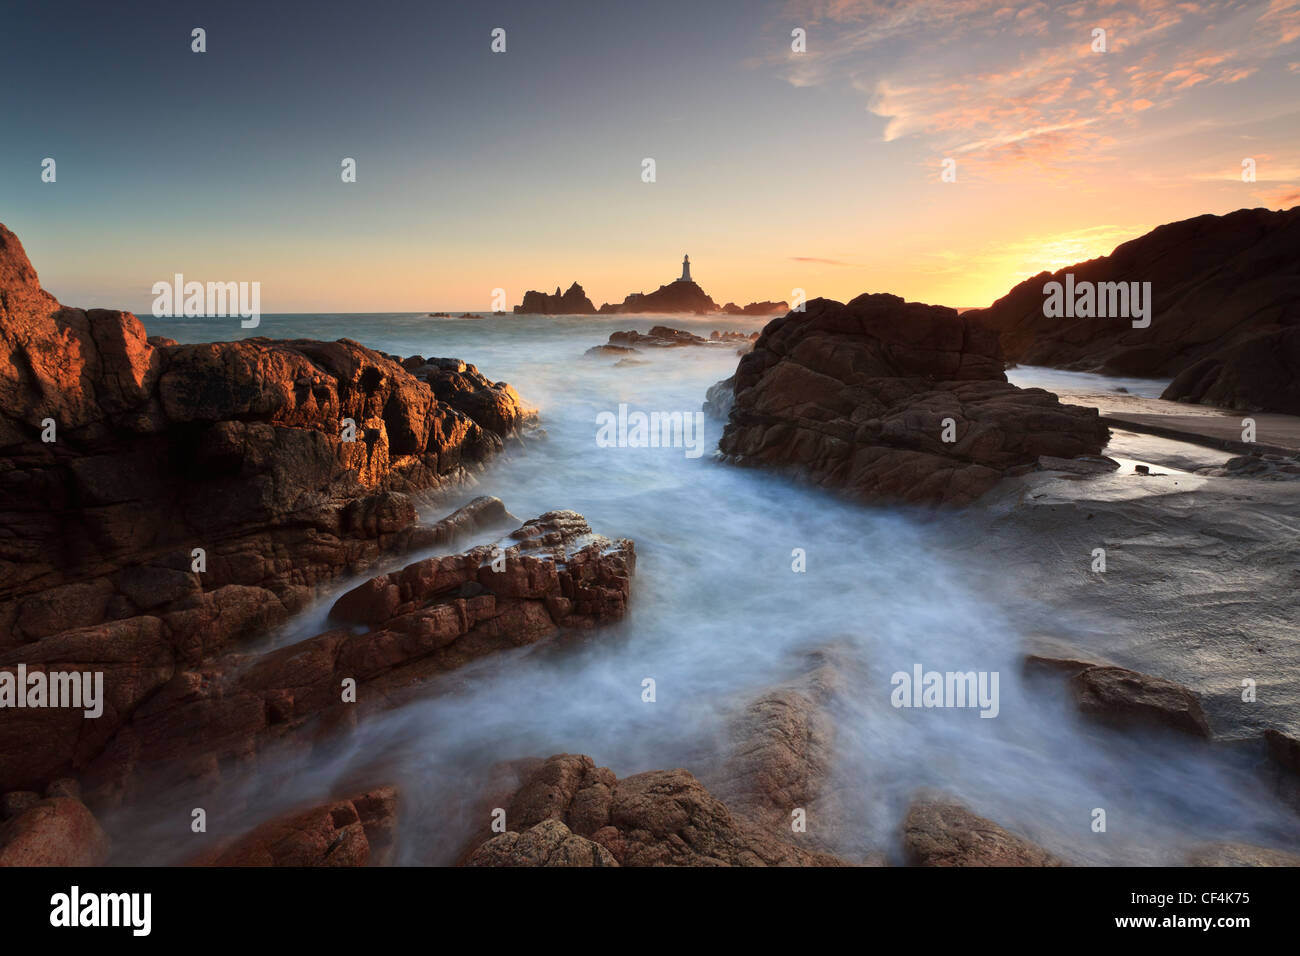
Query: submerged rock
{"x": 357, "y": 831}
{"x": 1119, "y": 695}
{"x": 782, "y": 756}
{"x": 937, "y": 832}
{"x": 864, "y": 397}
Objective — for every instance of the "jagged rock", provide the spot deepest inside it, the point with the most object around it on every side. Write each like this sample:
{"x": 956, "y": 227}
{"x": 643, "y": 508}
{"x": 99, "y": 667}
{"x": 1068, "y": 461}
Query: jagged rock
{"x": 357, "y": 831}
{"x": 1123, "y": 696}
{"x": 1224, "y": 314}
{"x": 856, "y": 397}
{"x": 660, "y": 818}
{"x": 549, "y": 843}
{"x": 782, "y": 756}
{"x": 942, "y": 833}
{"x": 430, "y": 617}
{"x": 58, "y": 831}
{"x": 234, "y": 448}
{"x": 572, "y": 302}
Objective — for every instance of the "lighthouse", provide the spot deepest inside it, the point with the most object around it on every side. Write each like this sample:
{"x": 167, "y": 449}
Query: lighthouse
{"x": 686, "y": 269}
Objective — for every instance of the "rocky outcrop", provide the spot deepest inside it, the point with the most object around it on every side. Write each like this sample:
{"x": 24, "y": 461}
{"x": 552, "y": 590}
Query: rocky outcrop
{"x": 357, "y": 831}
{"x": 549, "y": 843}
{"x": 572, "y": 302}
{"x": 160, "y": 502}
{"x": 1121, "y": 696}
{"x": 675, "y": 297}
{"x": 939, "y": 832}
{"x": 782, "y": 757}
{"x": 861, "y": 397}
{"x": 660, "y": 818}
{"x": 57, "y": 831}
{"x": 1225, "y": 312}
{"x": 552, "y": 574}
{"x": 1259, "y": 374}
{"x": 286, "y": 462}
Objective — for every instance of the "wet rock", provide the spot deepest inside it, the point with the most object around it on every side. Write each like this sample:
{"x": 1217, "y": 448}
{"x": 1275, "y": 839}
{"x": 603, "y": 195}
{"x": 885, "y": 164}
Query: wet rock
{"x": 58, "y": 831}
{"x": 782, "y": 757}
{"x": 196, "y": 495}
{"x": 719, "y": 398}
{"x": 860, "y": 397}
{"x": 357, "y": 831}
{"x": 426, "y": 619}
{"x": 549, "y": 843}
{"x": 660, "y": 818}
{"x": 940, "y": 833}
{"x": 1122, "y": 696}
{"x": 1085, "y": 465}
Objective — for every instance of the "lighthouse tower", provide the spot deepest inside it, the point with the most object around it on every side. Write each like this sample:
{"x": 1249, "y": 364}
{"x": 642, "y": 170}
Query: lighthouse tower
{"x": 686, "y": 269}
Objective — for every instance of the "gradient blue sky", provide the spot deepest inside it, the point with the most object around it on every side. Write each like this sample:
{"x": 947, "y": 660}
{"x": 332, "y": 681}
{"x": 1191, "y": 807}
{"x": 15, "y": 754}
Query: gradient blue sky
{"x": 522, "y": 170}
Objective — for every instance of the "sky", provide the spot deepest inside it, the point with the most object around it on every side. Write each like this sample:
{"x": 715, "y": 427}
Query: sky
{"x": 775, "y": 169}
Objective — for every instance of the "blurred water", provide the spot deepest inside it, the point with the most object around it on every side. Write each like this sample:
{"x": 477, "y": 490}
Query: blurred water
{"x": 718, "y": 614}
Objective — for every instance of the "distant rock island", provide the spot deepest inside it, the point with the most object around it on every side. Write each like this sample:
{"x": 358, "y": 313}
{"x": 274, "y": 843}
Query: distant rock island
{"x": 681, "y": 296}
{"x": 757, "y": 308}
{"x": 572, "y": 302}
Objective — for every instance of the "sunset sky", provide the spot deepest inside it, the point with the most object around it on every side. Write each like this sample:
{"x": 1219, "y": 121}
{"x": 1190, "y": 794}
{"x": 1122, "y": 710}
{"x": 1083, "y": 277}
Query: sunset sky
{"x": 522, "y": 170}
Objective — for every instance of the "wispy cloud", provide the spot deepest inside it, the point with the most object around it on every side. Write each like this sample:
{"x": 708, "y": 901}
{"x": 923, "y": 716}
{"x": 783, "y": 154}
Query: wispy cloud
{"x": 1001, "y": 85}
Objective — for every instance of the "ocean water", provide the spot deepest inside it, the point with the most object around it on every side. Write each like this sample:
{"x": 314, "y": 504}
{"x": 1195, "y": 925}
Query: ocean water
{"x": 718, "y": 615}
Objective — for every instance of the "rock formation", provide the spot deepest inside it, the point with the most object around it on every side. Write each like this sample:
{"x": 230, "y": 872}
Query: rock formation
{"x": 56, "y": 831}
{"x": 160, "y": 502}
{"x": 671, "y": 298}
{"x": 572, "y": 302}
{"x": 356, "y": 831}
{"x": 858, "y": 397}
{"x": 940, "y": 832}
{"x": 434, "y": 615}
{"x": 1118, "y": 695}
{"x": 659, "y": 818}
{"x": 1225, "y": 317}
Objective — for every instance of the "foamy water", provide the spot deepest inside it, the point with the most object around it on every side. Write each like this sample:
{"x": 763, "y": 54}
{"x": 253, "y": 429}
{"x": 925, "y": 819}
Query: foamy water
{"x": 717, "y": 615}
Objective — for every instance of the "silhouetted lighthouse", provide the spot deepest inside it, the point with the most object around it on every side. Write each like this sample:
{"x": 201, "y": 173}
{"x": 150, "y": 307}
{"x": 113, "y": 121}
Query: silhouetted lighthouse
{"x": 686, "y": 269}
